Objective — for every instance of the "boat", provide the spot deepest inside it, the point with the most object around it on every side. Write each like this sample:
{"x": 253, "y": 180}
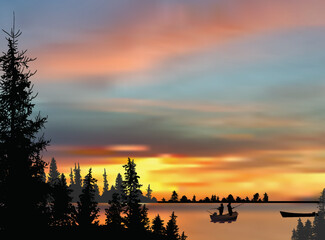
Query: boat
{"x": 224, "y": 218}
{"x": 290, "y": 214}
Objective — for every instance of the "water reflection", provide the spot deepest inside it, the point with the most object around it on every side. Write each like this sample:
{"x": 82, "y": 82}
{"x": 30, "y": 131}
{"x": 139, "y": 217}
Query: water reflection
{"x": 256, "y": 221}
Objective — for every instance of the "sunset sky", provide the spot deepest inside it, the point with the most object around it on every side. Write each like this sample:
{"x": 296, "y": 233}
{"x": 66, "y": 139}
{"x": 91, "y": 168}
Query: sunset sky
{"x": 208, "y": 97}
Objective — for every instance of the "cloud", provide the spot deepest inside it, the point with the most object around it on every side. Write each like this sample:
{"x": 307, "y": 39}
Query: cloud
{"x": 158, "y": 32}
{"x": 99, "y": 151}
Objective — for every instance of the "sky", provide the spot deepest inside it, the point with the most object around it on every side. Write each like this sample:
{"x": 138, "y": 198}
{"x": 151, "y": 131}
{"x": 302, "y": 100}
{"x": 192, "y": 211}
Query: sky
{"x": 208, "y": 97}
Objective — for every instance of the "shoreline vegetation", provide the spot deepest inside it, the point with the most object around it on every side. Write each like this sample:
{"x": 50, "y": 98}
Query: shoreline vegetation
{"x": 304, "y": 202}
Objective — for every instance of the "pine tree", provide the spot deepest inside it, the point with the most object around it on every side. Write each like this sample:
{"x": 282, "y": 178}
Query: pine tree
{"x": 53, "y": 173}
{"x": 183, "y": 236}
{"x": 21, "y": 143}
{"x": 71, "y": 177}
{"x": 172, "y": 228}
{"x": 61, "y": 206}
{"x": 76, "y": 185}
{"x": 308, "y": 230}
{"x": 158, "y": 226}
{"x": 174, "y": 197}
{"x": 87, "y": 210}
{"x": 105, "y": 188}
{"x": 114, "y": 220}
{"x": 77, "y": 176}
{"x": 300, "y": 231}
{"x": 119, "y": 186}
{"x": 294, "y": 235}
{"x": 149, "y": 192}
{"x": 136, "y": 217}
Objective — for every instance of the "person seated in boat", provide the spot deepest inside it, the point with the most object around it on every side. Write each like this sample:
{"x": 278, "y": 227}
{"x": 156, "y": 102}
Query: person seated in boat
{"x": 229, "y": 209}
{"x": 220, "y": 209}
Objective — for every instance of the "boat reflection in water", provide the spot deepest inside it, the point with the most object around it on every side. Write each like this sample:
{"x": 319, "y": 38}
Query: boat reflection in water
{"x": 215, "y": 218}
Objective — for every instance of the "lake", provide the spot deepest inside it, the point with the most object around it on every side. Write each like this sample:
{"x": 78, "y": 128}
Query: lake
{"x": 255, "y": 221}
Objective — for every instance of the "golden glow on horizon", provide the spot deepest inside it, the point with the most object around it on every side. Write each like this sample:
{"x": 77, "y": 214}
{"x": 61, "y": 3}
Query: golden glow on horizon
{"x": 195, "y": 176}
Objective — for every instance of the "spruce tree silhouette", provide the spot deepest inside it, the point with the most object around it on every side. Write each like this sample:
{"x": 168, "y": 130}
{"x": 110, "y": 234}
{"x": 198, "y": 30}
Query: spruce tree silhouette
{"x": 119, "y": 187}
{"x": 76, "y": 182}
{"x": 172, "y": 228}
{"x": 149, "y": 192}
{"x": 136, "y": 217}
{"x": 174, "y": 197}
{"x": 300, "y": 231}
{"x": 87, "y": 208}
{"x": 23, "y": 192}
{"x": 54, "y": 174}
{"x": 114, "y": 220}
{"x": 61, "y": 206}
{"x": 158, "y": 226}
{"x": 105, "y": 187}
{"x": 183, "y": 236}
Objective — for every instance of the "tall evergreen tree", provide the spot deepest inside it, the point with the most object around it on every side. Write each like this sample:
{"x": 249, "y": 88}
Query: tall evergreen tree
{"x": 71, "y": 177}
{"x": 308, "y": 230}
{"x": 294, "y": 234}
{"x": 119, "y": 186}
{"x": 172, "y": 230}
{"x": 76, "y": 184}
{"x": 174, "y": 197}
{"x": 136, "y": 217}
{"x": 105, "y": 188}
{"x": 158, "y": 226}
{"x": 54, "y": 174}
{"x": 149, "y": 192}
{"x": 61, "y": 206}
{"x": 183, "y": 236}
{"x": 21, "y": 142}
{"x": 87, "y": 208}
{"x": 77, "y": 176}
{"x": 114, "y": 220}
{"x": 300, "y": 233}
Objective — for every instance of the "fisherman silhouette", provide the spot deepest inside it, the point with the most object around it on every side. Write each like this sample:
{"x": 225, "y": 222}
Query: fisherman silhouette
{"x": 220, "y": 209}
{"x": 229, "y": 209}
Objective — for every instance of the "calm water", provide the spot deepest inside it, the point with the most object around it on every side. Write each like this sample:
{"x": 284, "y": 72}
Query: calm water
{"x": 255, "y": 221}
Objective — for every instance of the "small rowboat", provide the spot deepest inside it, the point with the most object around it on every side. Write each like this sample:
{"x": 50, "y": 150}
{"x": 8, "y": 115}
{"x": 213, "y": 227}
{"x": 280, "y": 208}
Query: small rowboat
{"x": 289, "y": 214}
{"x": 224, "y": 218}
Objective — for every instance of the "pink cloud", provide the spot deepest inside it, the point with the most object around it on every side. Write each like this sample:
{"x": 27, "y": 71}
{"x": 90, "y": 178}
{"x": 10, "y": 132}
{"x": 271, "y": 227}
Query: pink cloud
{"x": 159, "y": 34}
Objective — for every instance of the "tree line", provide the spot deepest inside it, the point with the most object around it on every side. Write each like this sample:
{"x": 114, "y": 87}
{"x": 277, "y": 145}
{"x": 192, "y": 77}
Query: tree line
{"x": 35, "y": 206}
{"x": 174, "y": 198}
{"x": 124, "y": 214}
{"x": 103, "y": 196}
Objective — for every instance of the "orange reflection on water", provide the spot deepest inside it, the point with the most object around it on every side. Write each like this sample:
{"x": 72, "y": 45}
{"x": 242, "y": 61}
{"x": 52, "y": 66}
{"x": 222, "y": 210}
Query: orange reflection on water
{"x": 255, "y": 221}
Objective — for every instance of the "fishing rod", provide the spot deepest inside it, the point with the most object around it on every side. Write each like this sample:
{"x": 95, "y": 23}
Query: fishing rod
{"x": 239, "y": 205}
{"x": 233, "y": 207}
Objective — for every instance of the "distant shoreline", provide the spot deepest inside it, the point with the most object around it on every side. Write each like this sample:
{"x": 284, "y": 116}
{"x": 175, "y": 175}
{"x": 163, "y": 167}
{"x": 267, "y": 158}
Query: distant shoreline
{"x": 247, "y": 202}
